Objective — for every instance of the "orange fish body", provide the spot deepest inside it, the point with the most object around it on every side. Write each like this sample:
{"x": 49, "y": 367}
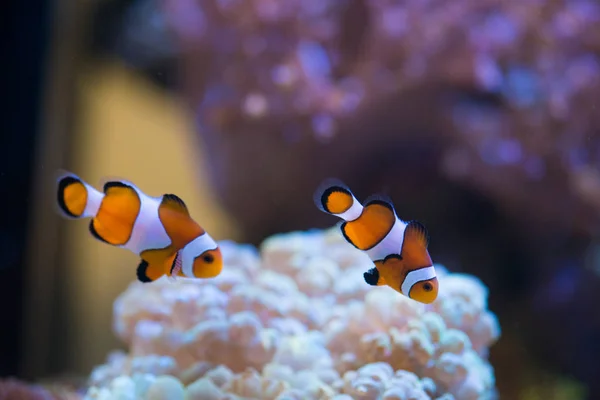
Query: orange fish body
{"x": 397, "y": 248}
{"x": 158, "y": 229}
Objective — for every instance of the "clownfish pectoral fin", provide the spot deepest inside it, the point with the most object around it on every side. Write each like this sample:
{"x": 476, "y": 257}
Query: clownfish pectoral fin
{"x": 175, "y": 203}
{"x": 373, "y": 278}
{"x": 74, "y": 197}
{"x": 417, "y": 232}
{"x": 148, "y": 272}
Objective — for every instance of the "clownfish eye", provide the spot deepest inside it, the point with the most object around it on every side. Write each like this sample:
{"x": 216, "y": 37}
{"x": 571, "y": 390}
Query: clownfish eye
{"x": 208, "y": 258}
{"x": 427, "y": 287}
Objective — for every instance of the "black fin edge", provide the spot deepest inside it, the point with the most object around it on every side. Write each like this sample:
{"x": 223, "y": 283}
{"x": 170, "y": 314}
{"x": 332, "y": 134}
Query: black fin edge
{"x": 390, "y": 207}
{"x": 113, "y": 184}
{"x": 174, "y": 262}
{"x": 381, "y": 200}
{"x": 328, "y": 186}
{"x": 372, "y": 276}
{"x": 95, "y": 234}
{"x": 62, "y": 185}
{"x": 174, "y": 198}
{"x": 141, "y": 272}
{"x": 343, "y": 229}
{"x": 420, "y": 228}
{"x": 390, "y": 256}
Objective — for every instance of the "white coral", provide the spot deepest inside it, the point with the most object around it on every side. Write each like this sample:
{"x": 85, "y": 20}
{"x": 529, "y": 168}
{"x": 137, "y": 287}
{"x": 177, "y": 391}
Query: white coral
{"x": 297, "y": 321}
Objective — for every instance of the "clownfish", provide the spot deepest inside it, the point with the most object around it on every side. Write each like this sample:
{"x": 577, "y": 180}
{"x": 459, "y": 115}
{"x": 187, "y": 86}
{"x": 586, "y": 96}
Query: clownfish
{"x": 158, "y": 229}
{"x": 397, "y": 248}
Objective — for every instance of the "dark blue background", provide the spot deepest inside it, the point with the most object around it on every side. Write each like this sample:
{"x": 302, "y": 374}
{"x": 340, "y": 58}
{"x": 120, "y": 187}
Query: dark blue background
{"x": 25, "y": 32}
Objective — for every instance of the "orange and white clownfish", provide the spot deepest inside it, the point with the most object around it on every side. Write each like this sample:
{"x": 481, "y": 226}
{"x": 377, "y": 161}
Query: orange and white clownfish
{"x": 158, "y": 229}
{"x": 397, "y": 248}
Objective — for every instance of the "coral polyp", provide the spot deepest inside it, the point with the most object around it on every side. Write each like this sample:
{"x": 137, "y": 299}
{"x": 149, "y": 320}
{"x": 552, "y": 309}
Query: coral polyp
{"x": 295, "y": 320}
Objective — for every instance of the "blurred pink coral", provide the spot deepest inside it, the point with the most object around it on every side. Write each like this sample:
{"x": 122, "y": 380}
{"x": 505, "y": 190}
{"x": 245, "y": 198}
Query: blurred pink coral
{"x": 295, "y": 321}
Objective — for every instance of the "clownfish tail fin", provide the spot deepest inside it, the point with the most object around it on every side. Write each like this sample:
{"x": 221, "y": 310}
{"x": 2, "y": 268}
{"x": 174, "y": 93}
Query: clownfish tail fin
{"x": 335, "y": 198}
{"x": 75, "y": 198}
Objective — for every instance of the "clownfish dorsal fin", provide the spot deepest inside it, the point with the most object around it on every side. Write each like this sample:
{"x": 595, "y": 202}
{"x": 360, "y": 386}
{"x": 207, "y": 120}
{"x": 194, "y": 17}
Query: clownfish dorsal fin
{"x": 148, "y": 272}
{"x": 417, "y": 232}
{"x": 175, "y": 203}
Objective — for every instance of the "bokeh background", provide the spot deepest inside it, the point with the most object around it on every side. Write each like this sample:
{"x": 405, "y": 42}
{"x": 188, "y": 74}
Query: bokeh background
{"x": 479, "y": 118}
